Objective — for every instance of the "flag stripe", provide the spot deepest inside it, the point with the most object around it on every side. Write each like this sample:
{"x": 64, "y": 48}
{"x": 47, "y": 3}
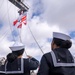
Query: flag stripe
{"x": 15, "y": 22}
{"x": 20, "y": 25}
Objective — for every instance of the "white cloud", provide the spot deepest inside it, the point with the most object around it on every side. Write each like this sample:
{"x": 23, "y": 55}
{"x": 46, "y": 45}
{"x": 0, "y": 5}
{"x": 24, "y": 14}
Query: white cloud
{"x": 4, "y": 47}
{"x": 60, "y": 13}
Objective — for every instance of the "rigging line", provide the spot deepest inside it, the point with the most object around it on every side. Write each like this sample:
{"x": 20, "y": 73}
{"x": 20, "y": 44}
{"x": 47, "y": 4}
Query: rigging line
{"x": 4, "y": 36}
{"x": 6, "y": 13}
{"x": 19, "y": 29}
{"x": 1, "y": 4}
{"x": 20, "y": 35}
{"x": 4, "y": 33}
{"x": 21, "y": 39}
{"x": 10, "y": 22}
{"x": 15, "y": 17}
{"x": 35, "y": 40}
{"x": 14, "y": 10}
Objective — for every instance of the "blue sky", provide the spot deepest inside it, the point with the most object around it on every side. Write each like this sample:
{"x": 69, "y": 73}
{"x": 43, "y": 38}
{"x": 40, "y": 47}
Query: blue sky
{"x": 72, "y": 34}
{"x": 1, "y": 25}
{"x": 44, "y": 17}
{"x": 39, "y": 8}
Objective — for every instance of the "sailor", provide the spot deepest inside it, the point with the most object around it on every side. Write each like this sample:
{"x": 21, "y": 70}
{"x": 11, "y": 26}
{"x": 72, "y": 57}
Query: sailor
{"x": 16, "y": 65}
{"x": 59, "y": 61}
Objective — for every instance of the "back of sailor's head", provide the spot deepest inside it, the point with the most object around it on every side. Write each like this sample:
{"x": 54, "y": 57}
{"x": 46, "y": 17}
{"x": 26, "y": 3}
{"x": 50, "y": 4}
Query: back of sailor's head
{"x": 62, "y": 40}
{"x": 17, "y": 50}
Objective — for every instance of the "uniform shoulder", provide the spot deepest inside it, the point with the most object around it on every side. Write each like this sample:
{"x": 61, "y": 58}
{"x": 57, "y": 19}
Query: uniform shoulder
{"x": 47, "y": 54}
{"x": 48, "y": 58}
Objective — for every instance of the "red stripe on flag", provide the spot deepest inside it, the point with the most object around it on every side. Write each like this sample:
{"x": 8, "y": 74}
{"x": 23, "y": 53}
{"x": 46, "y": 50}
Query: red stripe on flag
{"x": 20, "y": 25}
{"x": 25, "y": 22}
{"x": 23, "y": 18}
{"x": 15, "y": 22}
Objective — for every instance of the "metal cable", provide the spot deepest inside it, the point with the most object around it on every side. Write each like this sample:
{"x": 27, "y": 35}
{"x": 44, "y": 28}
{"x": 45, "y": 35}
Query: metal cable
{"x": 1, "y": 4}
{"x": 4, "y": 35}
{"x": 6, "y": 13}
{"x": 9, "y": 21}
{"x": 35, "y": 40}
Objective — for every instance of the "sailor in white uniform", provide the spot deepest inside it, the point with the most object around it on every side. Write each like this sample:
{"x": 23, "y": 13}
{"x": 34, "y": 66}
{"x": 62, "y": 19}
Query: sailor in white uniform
{"x": 16, "y": 65}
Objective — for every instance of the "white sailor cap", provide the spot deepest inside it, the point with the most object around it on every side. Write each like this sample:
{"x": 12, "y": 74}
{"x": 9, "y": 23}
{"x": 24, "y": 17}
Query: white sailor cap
{"x": 61, "y": 36}
{"x": 17, "y": 46}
